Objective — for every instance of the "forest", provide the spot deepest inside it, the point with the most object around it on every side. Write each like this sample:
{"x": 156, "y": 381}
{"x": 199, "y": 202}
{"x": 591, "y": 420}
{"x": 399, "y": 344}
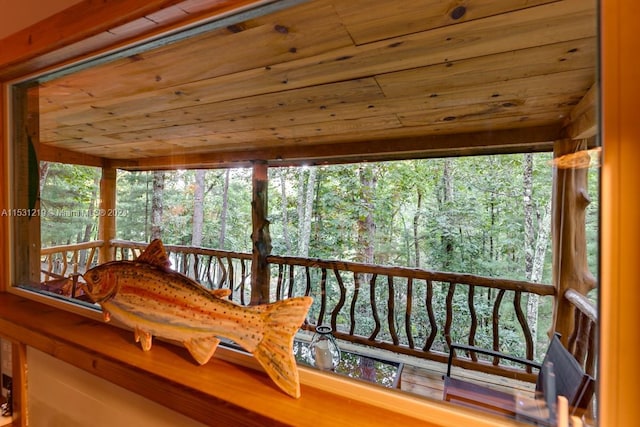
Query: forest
{"x": 482, "y": 215}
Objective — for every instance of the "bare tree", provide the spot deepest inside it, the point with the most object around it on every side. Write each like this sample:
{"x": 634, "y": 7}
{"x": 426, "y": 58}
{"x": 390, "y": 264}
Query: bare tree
{"x": 307, "y": 211}
{"x": 225, "y": 207}
{"x": 157, "y": 205}
{"x": 535, "y": 244}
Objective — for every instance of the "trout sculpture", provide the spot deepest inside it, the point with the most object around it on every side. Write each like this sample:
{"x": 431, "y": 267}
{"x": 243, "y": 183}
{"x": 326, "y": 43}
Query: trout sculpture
{"x": 149, "y": 297}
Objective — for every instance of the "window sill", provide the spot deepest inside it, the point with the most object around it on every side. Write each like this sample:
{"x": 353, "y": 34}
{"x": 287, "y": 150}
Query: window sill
{"x": 229, "y": 390}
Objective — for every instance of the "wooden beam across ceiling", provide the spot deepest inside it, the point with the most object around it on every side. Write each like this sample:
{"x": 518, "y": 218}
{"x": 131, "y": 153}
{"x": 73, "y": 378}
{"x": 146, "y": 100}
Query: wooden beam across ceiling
{"x": 533, "y": 139}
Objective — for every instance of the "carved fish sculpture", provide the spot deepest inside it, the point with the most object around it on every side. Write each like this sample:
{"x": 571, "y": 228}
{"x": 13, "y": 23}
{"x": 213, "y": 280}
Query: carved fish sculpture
{"x": 149, "y": 297}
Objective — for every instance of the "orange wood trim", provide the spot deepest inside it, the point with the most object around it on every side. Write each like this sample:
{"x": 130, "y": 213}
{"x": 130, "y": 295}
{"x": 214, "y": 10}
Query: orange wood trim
{"x": 219, "y": 392}
{"x": 619, "y": 371}
{"x": 4, "y": 191}
{"x": 91, "y": 26}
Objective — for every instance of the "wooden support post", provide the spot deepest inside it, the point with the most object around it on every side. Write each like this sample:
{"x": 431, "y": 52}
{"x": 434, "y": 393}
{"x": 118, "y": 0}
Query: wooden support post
{"x": 260, "y": 236}
{"x": 107, "y": 221}
{"x": 25, "y": 207}
{"x": 570, "y": 200}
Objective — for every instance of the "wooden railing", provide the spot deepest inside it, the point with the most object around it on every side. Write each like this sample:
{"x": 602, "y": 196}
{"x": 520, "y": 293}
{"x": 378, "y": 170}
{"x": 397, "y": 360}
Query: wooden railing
{"x": 408, "y": 311}
{"x": 67, "y": 260}
{"x": 582, "y": 341}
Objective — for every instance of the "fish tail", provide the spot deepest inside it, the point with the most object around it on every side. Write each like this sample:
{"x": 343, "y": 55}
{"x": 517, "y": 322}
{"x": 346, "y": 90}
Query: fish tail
{"x": 275, "y": 351}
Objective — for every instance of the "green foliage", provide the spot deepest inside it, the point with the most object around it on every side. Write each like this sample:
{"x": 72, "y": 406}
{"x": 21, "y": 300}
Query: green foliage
{"x": 68, "y": 199}
{"x": 458, "y": 214}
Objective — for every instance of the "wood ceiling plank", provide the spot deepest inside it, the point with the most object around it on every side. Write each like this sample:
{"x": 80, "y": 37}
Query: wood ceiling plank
{"x": 393, "y": 19}
{"x": 517, "y": 64}
{"x": 288, "y": 131}
{"x": 226, "y": 114}
{"x": 558, "y": 105}
{"x": 432, "y": 80}
{"x": 517, "y": 30}
{"x": 468, "y": 126}
{"x": 276, "y": 38}
{"x": 321, "y": 108}
{"x": 264, "y": 138}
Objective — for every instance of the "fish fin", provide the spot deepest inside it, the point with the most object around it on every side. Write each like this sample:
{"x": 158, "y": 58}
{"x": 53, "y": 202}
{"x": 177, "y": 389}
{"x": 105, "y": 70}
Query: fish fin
{"x": 155, "y": 254}
{"x": 106, "y": 316}
{"x": 144, "y": 338}
{"x": 275, "y": 351}
{"x": 202, "y": 349}
{"x": 220, "y": 293}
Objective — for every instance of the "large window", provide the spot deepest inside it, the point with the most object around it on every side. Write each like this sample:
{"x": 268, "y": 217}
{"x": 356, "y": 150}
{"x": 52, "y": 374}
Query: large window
{"x": 423, "y": 193}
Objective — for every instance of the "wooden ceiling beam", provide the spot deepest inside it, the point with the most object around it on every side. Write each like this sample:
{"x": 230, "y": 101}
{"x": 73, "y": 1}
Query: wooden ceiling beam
{"x": 582, "y": 122}
{"x": 531, "y": 139}
{"x": 48, "y": 153}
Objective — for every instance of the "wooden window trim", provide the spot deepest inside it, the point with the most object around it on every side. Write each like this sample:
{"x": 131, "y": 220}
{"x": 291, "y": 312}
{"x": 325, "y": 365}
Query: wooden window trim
{"x": 229, "y": 390}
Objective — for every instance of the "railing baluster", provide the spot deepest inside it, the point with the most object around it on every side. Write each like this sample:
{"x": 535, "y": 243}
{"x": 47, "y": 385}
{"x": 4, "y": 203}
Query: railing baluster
{"x": 281, "y": 268}
{"x": 307, "y": 289}
{"x": 449, "y": 313}
{"x": 354, "y": 301}
{"x": 291, "y": 281}
{"x": 207, "y": 272}
{"x": 92, "y": 253}
{"x": 522, "y": 319}
{"x": 323, "y": 296}
{"x": 74, "y": 261}
{"x": 374, "y": 308}
{"x": 474, "y": 320}
{"x": 590, "y": 365}
{"x": 230, "y": 269}
{"x": 496, "y": 324}
{"x": 407, "y": 313}
{"x": 432, "y": 318}
{"x": 340, "y": 304}
{"x": 224, "y": 276}
{"x": 65, "y": 264}
{"x": 243, "y": 273}
{"x": 584, "y": 327}
{"x": 391, "y": 311}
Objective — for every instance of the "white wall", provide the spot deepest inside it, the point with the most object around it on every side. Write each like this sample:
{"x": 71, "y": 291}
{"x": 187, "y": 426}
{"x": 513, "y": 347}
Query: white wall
{"x": 18, "y": 14}
{"x": 61, "y": 395}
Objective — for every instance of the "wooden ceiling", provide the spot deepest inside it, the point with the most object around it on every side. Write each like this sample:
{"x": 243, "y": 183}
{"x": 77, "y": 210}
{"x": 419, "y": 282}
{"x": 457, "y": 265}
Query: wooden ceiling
{"x": 337, "y": 80}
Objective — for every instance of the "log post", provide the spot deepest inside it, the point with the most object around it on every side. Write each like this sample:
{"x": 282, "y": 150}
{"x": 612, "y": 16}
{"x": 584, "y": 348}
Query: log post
{"x": 570, "y": 200}
{"x": 106, "y": 219}
{"x": 260, "y": 236}
{"x": 25, "y": 206}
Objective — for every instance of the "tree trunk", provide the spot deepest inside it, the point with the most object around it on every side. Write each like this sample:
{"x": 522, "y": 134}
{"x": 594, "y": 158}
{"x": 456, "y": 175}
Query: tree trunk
{"x": 416, "y": 223}
{"x": 225, "y": 210}
{"x": 305, "y": 226}
{"x": 366, "y": 222}
{"x": 285, "y": 218}
{"x": 447, "y": 199}
{"x": 301, "y": 180}
{"x": 535, "y": 245}
{"x": 198, "y": 208}
{"x": 197, "y": 220}
{"x": 157, "y": 205}
{"x": 260, "y": 236}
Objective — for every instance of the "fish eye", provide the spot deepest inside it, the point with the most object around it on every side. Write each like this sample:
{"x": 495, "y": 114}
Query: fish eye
{"x": 95, "y": 277}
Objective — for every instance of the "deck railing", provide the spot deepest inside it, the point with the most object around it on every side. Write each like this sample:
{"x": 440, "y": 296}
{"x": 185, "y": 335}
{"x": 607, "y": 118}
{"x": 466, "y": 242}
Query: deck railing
{"x": 409, "y": 311}
{"x": 582, "y": 341}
